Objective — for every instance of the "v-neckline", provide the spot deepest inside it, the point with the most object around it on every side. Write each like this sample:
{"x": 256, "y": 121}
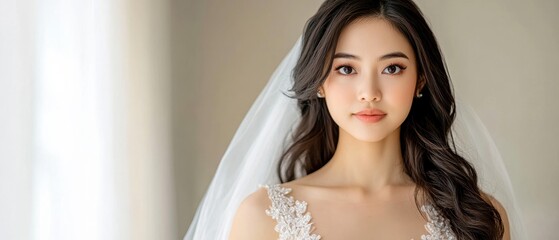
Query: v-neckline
{"x": 437, "y": 226}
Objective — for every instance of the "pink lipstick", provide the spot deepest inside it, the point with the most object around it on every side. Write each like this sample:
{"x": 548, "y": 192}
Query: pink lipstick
{"x": 370, "y": 115}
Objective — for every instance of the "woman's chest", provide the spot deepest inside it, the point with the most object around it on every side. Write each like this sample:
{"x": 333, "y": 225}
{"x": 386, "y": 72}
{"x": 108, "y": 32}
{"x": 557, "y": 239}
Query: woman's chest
{"x": 374, "y": 221}
{"x": 329, "y": 218}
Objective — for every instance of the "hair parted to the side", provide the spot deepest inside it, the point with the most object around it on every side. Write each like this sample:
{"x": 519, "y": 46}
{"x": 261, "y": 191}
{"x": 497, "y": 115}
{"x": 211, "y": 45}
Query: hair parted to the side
{"x": 445, "y": 178}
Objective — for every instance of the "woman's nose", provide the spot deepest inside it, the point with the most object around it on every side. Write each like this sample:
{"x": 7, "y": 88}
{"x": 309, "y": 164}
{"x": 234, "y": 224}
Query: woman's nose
{"x": 369, "y": 89}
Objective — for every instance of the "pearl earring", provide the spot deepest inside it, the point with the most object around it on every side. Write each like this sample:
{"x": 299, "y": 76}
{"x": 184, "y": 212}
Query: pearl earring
{"x": 319, "y": 94}
{"x": 419, "y": 95}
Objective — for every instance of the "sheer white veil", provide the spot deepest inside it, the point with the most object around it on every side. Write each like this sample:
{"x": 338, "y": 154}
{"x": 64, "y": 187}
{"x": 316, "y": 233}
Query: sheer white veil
{"x": 474, "y": 143}
{"x": 253, "y": 155}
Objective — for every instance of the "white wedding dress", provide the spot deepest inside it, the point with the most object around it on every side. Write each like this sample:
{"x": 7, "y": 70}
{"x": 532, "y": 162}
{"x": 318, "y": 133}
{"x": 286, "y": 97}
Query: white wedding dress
{"x": 294, "y": 222}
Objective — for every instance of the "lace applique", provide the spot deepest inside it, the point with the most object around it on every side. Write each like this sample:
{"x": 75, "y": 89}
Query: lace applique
{"x": 291, "y": 216}
{"x": 293, "y": 220}
{"x": 437, "y": 225}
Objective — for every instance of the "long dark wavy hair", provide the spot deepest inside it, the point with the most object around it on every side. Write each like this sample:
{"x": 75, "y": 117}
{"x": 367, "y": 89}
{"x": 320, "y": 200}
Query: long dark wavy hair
{"x": 443, "y": 177}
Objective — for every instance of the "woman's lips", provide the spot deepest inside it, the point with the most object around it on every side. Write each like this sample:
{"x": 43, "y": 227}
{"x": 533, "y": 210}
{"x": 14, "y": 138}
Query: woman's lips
{"x": 370, "y": 115}
{"x": 369, "y": 118}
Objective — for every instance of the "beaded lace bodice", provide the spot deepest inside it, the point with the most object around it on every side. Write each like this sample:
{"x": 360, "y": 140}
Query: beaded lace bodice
{"x": 294, "y": 222}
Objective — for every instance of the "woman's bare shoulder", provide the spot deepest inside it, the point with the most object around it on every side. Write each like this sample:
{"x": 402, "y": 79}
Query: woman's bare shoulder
{"x": 502, "y": 212}
{"x": 251, "y": 221}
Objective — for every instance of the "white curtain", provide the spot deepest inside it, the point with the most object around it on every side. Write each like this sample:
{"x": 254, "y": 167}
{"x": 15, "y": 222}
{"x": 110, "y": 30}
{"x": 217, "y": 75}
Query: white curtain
{"x": 84, "y": 123}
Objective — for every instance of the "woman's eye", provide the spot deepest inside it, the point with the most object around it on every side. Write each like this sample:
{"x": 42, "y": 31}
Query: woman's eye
{"x": 393, "y": 69}
{"x": 345, "y": 70}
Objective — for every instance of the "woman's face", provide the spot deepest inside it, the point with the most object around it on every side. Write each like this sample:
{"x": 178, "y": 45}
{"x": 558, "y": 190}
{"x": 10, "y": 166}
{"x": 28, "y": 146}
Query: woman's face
{"x": 374, "y": 68}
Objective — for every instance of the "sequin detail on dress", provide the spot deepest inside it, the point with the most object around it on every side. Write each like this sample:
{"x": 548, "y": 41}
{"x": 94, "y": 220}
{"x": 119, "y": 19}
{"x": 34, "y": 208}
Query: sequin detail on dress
{"x": 437, "y": 225}
{"x": 293, "y": 220}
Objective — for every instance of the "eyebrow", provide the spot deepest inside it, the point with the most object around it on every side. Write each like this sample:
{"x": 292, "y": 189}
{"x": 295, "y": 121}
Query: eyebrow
{"x": 383, "y": 57}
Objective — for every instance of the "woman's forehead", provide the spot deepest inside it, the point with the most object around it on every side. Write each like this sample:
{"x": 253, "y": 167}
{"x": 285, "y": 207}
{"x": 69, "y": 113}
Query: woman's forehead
{"x": 371, "y": 38}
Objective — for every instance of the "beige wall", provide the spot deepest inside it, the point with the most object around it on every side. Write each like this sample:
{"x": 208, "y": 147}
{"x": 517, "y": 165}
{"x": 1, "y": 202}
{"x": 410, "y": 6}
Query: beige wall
{"x": 501, "y": 56}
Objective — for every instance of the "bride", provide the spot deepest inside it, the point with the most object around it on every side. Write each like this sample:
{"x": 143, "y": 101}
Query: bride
{"x": 370, "y": 151}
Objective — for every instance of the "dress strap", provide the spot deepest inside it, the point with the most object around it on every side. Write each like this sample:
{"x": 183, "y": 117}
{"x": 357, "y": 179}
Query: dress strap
{"x": 293, "y": 220}
{"x": 437, "y": 225}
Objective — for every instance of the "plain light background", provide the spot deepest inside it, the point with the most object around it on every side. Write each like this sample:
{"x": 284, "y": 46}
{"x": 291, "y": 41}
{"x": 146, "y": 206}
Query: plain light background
{"x": 502, "y": 57}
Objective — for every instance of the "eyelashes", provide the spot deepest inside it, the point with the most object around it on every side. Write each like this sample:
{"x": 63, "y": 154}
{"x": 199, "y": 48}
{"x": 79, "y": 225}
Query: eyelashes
{"x": 344, "y": 67}
{"x": 395, "y": 69}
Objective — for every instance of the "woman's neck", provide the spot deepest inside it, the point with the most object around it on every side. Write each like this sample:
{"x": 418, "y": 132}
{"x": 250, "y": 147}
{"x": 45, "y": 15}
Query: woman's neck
{"x": 371, "y": 166}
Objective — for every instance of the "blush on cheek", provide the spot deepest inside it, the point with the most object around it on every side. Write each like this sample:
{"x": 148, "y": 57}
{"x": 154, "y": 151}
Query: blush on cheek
{"x": 339, "y": 94}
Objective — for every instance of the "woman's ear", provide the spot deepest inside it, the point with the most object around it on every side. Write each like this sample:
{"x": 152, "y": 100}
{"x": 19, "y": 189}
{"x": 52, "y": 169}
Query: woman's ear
{"x": 320, "y": 92}
{"x": 421, "y": 81}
